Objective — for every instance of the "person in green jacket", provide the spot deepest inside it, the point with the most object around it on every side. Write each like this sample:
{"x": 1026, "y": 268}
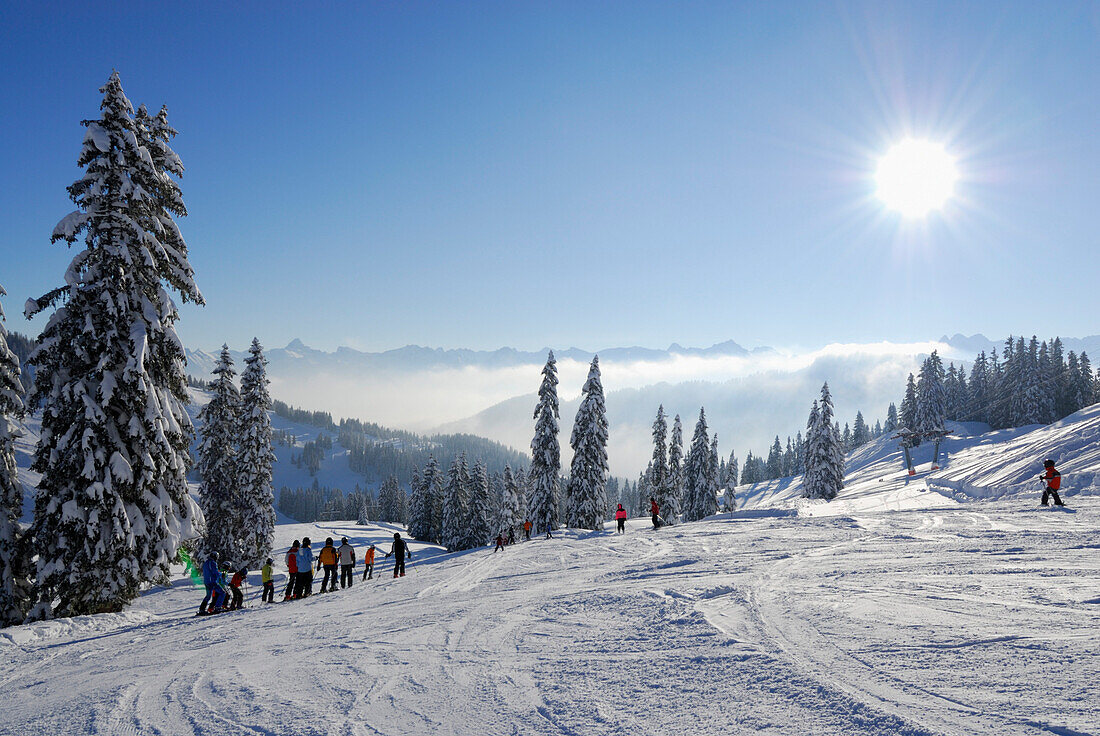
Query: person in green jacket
{"x": 269, "y": 584}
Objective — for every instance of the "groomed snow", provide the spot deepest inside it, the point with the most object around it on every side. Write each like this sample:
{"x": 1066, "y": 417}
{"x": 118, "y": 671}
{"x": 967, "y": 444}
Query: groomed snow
{"x": 957, "y": 619}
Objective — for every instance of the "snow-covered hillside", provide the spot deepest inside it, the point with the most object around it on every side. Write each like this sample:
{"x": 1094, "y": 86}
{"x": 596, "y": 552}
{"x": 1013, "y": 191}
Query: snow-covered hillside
{"x": 974, "y": 619}
{"x": 975, "y": 463}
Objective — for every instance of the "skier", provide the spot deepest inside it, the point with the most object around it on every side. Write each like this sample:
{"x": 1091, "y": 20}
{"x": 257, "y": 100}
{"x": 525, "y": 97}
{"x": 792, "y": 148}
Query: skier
{"x": 292, "y": 571}
{"x": 368, "y": 563}
{"x": 304, "y": 586}
{"x": 1053, "y": 480}
{"x": 235, "y": 588}
{"x": 511, "y": 535}
{"x": 268, "y": 595}
{"x": 549, "y": 530}
{"x": 327, "y": 559}
{"x": 655, "y": 512}
{"x": 527, "y": 529}
{"x": 399, "y": 550}
{"x": 221, "y": 588}
{"x": 500, "y": 543}
{"x": 347, "y": 563}
{"x": 210, "y": 580}
{"x": 620, "y": 519}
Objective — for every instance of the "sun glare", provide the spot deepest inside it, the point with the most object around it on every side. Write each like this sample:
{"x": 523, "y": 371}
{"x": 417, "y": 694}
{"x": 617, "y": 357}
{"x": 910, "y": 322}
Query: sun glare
{"x": 916, "y": 177}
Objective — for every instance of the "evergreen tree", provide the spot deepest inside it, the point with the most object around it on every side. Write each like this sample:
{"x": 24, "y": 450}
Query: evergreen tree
{"x": 456, "y": 506}
{"x": 774, "y": 467}
{"x": 436, "y": 483}
{"x": 891, "y": 419}
{"x": 420, "y": 503}
{"x": 545, "y": 452}
{"x": 588, "y": 472}
{"x": 512, "y": 515}
{"x": 255, "y": 460}
{"x": 522, "y": 494}
{"x": 732, "y": 470}
{"x": 825, "y": 460}
{"x": 861, "y": 435}
{"x": 788, "y": 459}
{"x": 388, "y": 502}
{"x": 696, "y": 470}
{"x": 908, "y": 415}
{"x": 976, "y": 408}
{"x": 478, "y": 510}
{"x": 708, "y": 499}
{"x": 112, "y": 505}
{"x": 16, "y": 588}
{"x": 676, "y": 476}
{"x": 363, "y": 517}
{"x": 217, "y": 464}
{"x": 846, "y": 438}
{"x": 931, "y": 412}
{"x": 659, "y": 484}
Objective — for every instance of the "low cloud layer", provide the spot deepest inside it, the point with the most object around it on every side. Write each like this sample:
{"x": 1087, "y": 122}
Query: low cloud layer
{"x": 749, "y": 399}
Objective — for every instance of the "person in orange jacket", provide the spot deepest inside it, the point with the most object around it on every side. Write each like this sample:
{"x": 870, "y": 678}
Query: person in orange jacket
{"x": 1053, "y": 480}
{"x": 620, "y": 519}
{"x": 327, "y": 558}
{"x": 368, "y": 563}
{"x": 527, "y": 529}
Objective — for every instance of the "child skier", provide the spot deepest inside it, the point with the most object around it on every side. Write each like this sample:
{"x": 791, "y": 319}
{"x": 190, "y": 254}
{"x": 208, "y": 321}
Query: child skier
{"x": 500, "y": 543}
{"x": 222, "y": 588}
{"x": 620, "y": 519}
{"x": 368, "y": 563}
{"x": 268, "y": 595}
{"x": 292, "y": 571}
{"x": 235, "y": 587}
{"x": 1053, "y": 480}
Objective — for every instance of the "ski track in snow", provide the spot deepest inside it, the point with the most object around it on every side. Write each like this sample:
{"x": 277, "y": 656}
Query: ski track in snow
{"x": 973, "y": 619}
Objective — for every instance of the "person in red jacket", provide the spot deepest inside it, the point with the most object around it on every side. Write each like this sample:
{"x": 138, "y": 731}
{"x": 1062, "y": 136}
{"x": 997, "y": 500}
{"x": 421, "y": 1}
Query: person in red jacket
{"x": 655, "y": 512}
{"x": 620, "y": 518}
{"x": 292, "y": 569}
{"x": 1053, "y": 480}
{"x": 235, "y": 586}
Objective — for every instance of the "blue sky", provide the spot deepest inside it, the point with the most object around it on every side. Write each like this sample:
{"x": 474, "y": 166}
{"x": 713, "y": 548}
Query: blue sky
{"x": 592, "y": 174}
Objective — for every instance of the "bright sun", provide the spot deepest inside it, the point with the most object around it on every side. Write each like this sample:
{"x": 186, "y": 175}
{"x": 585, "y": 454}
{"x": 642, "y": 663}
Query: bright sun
{"x": 916, "y": 177}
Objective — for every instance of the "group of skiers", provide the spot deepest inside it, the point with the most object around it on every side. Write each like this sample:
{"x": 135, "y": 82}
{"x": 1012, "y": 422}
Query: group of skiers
{"x": 300, "y": 569}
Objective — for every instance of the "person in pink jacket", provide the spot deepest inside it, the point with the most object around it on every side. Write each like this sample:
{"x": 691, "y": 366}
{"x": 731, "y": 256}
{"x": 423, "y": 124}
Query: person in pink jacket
{"x": 620, "y": 518}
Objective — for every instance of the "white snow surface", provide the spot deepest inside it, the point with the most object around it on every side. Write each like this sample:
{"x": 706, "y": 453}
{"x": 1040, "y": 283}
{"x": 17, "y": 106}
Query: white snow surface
{"x": 953, "y": 619}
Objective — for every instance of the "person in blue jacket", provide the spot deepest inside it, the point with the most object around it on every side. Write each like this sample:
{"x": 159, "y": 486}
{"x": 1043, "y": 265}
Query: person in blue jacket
{"x": 210, "y": 580}
{"x": 305, "y": 570}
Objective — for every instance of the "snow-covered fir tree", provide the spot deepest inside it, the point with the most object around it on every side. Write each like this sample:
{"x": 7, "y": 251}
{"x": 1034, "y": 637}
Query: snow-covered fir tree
{"x": 588, "y": 471}
{"x": 908, "y": 415}
{"x": 455, "y": 505}
{"x": 255, "y": 460}
{"x": 696, "y": 470}
{"x": 861, "y": 434}
{"x": 545, "y": 453}
{"x": 363, "y": 509}
{"x": 511, "y": 512}
{"x": 388, "y": 501}
{"x": 420, "y": 503}
{"x": 773, "y": 469}
{"x": 891, "y": 419}
{"x": 16, "y": 570}
{"x": 732, "y": 470}
{"x": 478, "y": 511}
{"x": 824, "y": 477}
{"x": 217, "y": 464}
{"x": 522, "y": 486}
{"x": 436, "y": 482}
{"x": 677, "y": 481}
{"x": 931, "y": 413}
{"x": 112, "y": 506}
{"x": 708, "y": 499}
{"x": 659, "y": 485}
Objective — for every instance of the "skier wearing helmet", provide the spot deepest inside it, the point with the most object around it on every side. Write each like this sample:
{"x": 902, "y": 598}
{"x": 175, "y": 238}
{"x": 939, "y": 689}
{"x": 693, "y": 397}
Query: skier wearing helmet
{"x": 1053, "y": 480}
{"x": 400, "y": 550}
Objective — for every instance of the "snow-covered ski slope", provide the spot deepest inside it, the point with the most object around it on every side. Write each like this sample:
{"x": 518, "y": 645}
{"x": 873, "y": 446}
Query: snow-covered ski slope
{"x": 975, "y": 463}
{"x": 959, "y": 619}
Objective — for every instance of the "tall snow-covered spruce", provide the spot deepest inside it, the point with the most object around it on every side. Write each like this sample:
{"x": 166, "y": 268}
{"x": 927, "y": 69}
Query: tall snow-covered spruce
{"x": 15, "y": 563}
{"x": 478, "y": 511}
{"x": 455, "y": 505}
{"x": 677, "y": 496}
{"x": 217, "y": 464}
{"x": 420, "y": 503}
{"x": 112, "y": 506}
{"x": 255, "y": 460}
{"x": 588, "y": 471}
{"x": 824, "y": 477}
{"x": 545, "y": 452}
{"x": 659, "y": 485}
{"x": 696, "y": 506}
